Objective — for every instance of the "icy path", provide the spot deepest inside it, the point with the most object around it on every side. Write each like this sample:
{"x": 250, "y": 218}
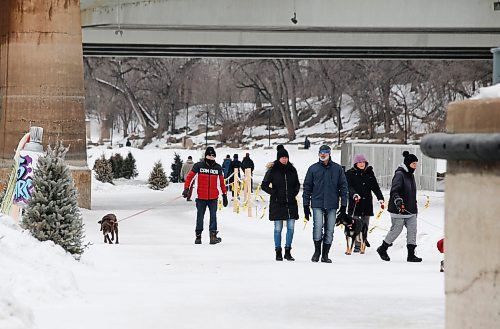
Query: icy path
{"x": 157, "y": 278}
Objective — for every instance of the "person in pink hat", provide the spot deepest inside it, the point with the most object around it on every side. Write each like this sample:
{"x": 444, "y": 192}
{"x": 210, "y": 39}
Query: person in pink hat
{"x": 362, "y": 182}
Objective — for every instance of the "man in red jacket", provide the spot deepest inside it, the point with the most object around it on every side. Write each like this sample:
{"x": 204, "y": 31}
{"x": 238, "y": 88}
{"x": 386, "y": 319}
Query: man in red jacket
{"x": 210, "y": 177}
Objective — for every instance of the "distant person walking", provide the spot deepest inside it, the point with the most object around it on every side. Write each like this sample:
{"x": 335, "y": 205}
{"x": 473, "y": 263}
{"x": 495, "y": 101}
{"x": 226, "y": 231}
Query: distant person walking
{"x": 362, "y": 182}
{"x": 247, "y": 163}
{"x": 281, "y": 182}
{"x": 324, "y": 184}
{"x": 403, "y": 208}
{"x": 307, "y": 144}
{"x": 226, "y": 164}
{"x": 235, "y": 164}
{"x": 210, "y": 179}
{"x": 185, "y": 169}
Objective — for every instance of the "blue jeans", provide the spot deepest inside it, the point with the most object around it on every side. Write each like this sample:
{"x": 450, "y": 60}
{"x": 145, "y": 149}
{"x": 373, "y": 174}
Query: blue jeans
{"x": 278, "y": 227}
{"x": 201, "y": 206}
{"x": 319, "y": 222}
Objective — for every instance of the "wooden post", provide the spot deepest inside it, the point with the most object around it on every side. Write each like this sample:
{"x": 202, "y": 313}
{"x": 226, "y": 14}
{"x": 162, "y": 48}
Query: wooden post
{"x": 236, "y": 190}
{"x": 248, "y": 190}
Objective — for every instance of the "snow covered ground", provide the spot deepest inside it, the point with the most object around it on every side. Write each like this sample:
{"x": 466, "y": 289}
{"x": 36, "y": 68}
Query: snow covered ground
{"x": 157, "y": 278}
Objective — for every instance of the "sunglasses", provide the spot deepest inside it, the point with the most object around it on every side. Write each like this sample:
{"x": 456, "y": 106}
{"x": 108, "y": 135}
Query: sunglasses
{"x": 211, "y": 155}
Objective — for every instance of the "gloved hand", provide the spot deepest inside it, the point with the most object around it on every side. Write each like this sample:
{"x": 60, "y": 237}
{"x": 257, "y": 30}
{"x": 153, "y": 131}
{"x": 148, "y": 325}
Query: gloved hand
{"x": 185, "y": 193}
{"x": 307, "y": 212}
{"x": 400, "y": 204}
{"x": 224, "y": 200}
{"x": 342, "y": 210}
{"x": 356, "y": 197}
{"x": 382, "y": 204}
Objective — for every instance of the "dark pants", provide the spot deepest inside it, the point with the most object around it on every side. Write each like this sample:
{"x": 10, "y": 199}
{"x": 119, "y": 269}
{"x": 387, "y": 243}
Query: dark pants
{"x": 202, "y": 205}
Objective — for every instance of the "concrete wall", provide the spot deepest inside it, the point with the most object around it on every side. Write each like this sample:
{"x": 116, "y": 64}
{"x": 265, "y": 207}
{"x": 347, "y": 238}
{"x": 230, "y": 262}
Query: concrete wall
{"x": 385, "y": 158}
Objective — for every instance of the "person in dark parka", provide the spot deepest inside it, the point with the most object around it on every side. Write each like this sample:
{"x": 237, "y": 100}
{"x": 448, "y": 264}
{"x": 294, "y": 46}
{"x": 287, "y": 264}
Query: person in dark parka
{"x": 403, "y": 208}
{"x": 362, "y": 182}
{"x": 235, "y": 164}
{"x": 247, "y": 163}
{"x": 282, "y": 183}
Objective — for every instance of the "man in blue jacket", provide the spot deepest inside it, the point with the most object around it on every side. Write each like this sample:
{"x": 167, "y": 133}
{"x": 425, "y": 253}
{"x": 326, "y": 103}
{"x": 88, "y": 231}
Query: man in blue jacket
{"x": 324, "y": 184}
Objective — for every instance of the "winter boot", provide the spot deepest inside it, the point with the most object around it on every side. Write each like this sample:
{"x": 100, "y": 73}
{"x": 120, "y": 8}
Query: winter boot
{"x": 198, "y": 237}
{"x": 367, "y": 244}
{"x": 317, "y": 251}
{"x": 382, "y": 251}
{"x": 213, "y": 237}
{"x": 324, "y": 256}
{"x": 288, "y": 255}
{"x": 411, "y": 254}
{"x": 357, "y": 246}
{"x": 279, "y": 256}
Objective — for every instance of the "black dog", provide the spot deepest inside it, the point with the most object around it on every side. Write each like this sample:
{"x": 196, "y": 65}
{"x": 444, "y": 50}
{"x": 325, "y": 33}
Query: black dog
{"x": 354, "y": 229}
{"x": 109, "y": 225}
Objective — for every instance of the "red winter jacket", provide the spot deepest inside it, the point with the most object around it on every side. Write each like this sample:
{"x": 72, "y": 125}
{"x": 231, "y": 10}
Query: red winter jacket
{"x": 209, "y": 177}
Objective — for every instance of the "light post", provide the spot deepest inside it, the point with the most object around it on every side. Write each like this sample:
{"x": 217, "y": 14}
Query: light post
{"x": 269, "y": 126}
{"x": 172, "y": 118}
{"x": 187, "y": 116}
{"x": 406, "y": 127}
{"x": 206, "y": 131}
{"x": 339, "y": 124}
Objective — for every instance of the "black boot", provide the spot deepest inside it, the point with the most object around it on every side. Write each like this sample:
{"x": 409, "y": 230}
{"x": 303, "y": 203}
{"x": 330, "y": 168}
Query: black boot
{"x": 324, "y": 256}
{"x": 279, "y": 256}
{"x": 198, "y": 237}
{"x": 213, "y": 237}
{"x": 288, "y": 255}
{"x": 367, "y": 244}
{"x": 411, "y": 254}
{"x": 317, "y": 251}
{"x": 382, "y": 251}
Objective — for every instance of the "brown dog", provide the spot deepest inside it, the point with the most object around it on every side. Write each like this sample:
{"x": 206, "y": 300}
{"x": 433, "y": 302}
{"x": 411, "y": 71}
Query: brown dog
{"x": 109, "y": 225}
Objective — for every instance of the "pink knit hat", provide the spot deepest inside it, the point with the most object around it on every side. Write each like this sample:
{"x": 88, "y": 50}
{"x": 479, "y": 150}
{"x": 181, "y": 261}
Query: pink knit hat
{"x": 359, "y": 158}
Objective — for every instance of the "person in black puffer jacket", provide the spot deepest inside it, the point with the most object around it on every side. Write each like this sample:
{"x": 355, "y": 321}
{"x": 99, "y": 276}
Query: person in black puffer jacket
{"x": 403, "y": 208}
{"x": 362, "y": 182}
{"x": 282, "y": 183}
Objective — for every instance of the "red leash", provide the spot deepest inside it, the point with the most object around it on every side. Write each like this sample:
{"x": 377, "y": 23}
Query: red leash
{"x": 142, "y": 211}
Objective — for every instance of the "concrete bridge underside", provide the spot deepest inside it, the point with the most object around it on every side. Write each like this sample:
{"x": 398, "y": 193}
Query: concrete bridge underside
{"x": 445, "y": 29}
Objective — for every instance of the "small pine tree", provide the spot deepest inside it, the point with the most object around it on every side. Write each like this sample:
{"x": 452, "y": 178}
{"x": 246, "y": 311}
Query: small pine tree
{"x": 117, "y": 165}
{"x": 157, "y": 178}
{"x": 52, "y": 213}
{"x": 103, "y": 170}
{"x": 175, "y": 175}
{"x": 129, "y": 170}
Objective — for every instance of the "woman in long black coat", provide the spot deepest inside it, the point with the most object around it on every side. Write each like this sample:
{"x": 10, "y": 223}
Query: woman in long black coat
{"x": 362, "y": 182}
{"x": 282, "y": 183}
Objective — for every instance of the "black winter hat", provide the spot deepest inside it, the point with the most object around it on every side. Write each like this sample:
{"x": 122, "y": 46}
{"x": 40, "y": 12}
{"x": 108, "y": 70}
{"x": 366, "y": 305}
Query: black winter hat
{"x": 235, "y": 156}
{"x": 281, "y": 152}
{"x": 210, "y": 151}
{"x": 409, "y": 158}
{"x": 324, "y": 148}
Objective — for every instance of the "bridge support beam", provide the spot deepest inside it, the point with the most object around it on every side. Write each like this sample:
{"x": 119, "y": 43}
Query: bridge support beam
{"x": 472, "y": 264}
{"x": 496, "y": 65}
{"x": 41, "y": 81}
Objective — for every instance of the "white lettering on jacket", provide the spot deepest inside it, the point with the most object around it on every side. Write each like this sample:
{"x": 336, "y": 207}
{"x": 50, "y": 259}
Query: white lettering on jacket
{"x": 209, "y": 171}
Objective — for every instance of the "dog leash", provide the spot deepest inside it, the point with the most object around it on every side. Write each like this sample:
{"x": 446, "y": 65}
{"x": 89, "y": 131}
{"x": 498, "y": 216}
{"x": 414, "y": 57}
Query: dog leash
{"x": 143, "y": 211}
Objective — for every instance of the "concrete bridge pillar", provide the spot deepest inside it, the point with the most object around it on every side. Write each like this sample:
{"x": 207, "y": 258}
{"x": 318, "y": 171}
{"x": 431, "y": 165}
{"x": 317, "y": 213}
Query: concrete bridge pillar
{"x": 472, "y": 227}
{"x": 41, "y": 80}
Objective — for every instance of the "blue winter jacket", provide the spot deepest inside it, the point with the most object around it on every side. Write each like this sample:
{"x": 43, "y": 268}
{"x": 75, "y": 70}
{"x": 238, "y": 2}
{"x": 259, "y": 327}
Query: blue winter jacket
{"x": 225, "y": 166}
{"x": 324, "y": 185}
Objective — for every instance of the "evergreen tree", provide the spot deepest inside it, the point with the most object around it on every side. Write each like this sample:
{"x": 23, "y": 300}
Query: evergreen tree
{"x": 175, "y": 175}
{"x": 52, "y": 213}
{"x": 129, "y": 170}
{"x": 117, "y": 165}
{"x": 103, "y": 170}
{"x": 157, "y": 178}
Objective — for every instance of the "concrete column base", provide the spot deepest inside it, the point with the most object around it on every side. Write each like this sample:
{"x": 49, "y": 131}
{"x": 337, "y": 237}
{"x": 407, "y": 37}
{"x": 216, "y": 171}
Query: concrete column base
{"x": 81, "y": 177}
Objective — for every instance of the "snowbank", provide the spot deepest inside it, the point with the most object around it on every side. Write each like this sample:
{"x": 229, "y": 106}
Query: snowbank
{"x": 32, "y": 273}
{"x": 488, "y": 92}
